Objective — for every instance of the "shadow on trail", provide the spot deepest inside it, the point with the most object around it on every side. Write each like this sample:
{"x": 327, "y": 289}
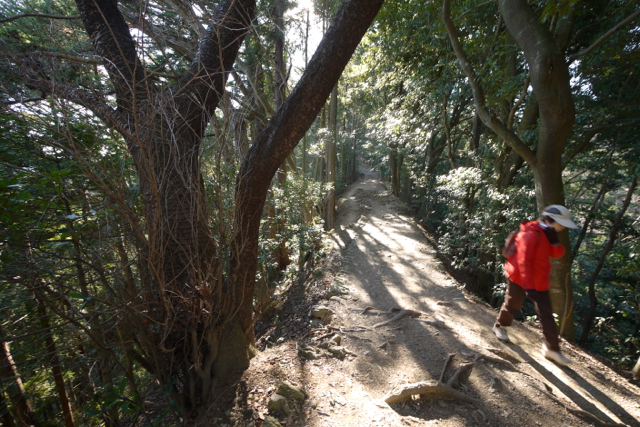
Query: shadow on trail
{"x": 575, "y": 392}
{"x": 389, "y": 264}
{"x": 377, "y": 243}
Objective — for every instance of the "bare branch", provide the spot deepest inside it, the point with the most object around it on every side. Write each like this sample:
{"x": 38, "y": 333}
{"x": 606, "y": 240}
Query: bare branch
{"x": 102, "y": 110}
{"x": 268, "y": 109}
{"x": 37, "y": 15}
{"x": 488, "y": 119}
{"x": 598, "y": 42}
{"x": 584, "y": 143}
{"x": 23, "y": 100}
{"x": 62, "y": 55}
{"x": 186, "y": 11}
{"x": 474, "y": 8}
{"x": 159, "y": 37}
{"x": 523, "y": 96}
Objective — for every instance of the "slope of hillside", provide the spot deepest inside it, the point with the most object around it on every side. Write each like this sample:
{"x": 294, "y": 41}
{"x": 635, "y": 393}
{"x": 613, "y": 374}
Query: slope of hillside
{"x": 381, "y": 317}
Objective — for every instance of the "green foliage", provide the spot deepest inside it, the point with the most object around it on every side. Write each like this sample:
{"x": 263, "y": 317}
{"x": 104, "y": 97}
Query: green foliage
{"x": 409, "y": 82}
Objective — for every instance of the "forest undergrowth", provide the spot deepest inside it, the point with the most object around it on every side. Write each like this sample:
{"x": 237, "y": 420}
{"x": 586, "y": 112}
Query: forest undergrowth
{"x": 379, "y": 334}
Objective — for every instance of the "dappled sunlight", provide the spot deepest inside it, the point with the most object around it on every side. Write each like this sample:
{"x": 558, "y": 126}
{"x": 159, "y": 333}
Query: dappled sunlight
{"x": 386, "y": 264}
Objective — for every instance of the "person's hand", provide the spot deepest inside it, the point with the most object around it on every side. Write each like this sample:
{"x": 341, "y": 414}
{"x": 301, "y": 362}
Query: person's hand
{"x": 532, "y": 293}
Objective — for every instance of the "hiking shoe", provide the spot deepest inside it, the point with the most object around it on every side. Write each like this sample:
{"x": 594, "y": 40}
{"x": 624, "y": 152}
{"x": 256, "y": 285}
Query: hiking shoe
{"x": 501, "y": 334}
{"x": 555, "y": 356}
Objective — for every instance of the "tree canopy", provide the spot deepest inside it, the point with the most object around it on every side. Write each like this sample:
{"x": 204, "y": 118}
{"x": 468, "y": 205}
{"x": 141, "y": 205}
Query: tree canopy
{"x": 146, "y": 219}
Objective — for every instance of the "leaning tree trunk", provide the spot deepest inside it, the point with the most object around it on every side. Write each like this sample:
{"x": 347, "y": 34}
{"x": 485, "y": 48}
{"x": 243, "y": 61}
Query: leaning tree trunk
{"x": 330, "y": 202}
{"x": 280, "y": 136}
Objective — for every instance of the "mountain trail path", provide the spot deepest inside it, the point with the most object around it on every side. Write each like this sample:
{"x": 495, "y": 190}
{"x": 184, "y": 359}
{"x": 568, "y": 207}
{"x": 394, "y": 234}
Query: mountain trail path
{"x": 396, "y": 341}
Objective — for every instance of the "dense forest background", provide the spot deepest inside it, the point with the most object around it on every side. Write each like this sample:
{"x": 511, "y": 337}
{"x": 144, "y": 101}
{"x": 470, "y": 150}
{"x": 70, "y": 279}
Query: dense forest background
{"x": 163, "y": 178}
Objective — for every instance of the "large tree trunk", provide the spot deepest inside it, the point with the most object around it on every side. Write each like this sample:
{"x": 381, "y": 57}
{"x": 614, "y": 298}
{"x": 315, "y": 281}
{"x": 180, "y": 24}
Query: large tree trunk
{"x": 188, "y": 314}
{"x": 330, "y": 202}
{"x": 198, "y": 323}
{"x": 551, "y": 85}
{"x": 278, "y": 139}
{"x": 550, "y": 80}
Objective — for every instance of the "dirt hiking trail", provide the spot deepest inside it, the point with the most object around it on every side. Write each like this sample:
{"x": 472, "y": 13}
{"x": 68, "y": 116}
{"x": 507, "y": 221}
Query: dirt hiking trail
{"x": 390, "y": 317}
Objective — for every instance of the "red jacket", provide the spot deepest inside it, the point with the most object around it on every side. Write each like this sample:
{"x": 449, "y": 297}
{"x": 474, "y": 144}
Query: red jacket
{"x": 529, "y": 267}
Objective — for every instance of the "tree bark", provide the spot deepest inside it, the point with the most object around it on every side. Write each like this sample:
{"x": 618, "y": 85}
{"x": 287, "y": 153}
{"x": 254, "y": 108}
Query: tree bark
{"x": 330, "y": 202}
{"x": 9, "y": 374}
{"x": 56, "y": 368}
{"x": 281, "y": 134}
{"x": 198, "y": 322}
{"x": 613, "y": 232}
{"x": 185, "y": 306}
{"x": 551, "y": 85}
{"x": 550, "y": 80}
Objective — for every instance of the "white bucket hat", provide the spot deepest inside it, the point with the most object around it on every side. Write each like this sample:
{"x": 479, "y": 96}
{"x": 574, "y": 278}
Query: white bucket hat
{"x": 560, "y": 214}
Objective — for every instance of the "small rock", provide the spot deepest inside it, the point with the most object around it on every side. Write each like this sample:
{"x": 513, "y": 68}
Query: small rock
{"x": 315, "y": 324}
{"x": 308, "y": 353}
{"x": 336, "y": 289}
{"x": 321, "y": 312}
{"x": 335, "y": 340}
{"x": 269, "y": 421}
{"x": 340, "y": 352}
{"x": 278, "y": 403}
{"x": 287, "y": 389}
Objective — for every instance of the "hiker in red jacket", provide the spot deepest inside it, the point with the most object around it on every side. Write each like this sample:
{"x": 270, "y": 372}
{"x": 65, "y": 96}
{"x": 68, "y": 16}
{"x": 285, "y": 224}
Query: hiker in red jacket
{"x": 528, "y": 274}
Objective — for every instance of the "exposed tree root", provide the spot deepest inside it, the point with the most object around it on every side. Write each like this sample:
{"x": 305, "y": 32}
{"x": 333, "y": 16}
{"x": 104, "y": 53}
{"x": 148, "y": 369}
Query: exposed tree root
{"x": 359, "y": 328}
{"x": 453, "y": 381}
{"x": 440, "y": 388}
{"x": 444, "y": 368}
{"x": 367, "y": 309}
{"x": 401, "y": 314}
{"x": 500, "y": 361}
{"x": 426, "y": 389}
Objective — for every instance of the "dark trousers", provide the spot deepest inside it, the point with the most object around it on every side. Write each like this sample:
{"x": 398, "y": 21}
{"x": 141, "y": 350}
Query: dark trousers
{"x": 512, "y": 304}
